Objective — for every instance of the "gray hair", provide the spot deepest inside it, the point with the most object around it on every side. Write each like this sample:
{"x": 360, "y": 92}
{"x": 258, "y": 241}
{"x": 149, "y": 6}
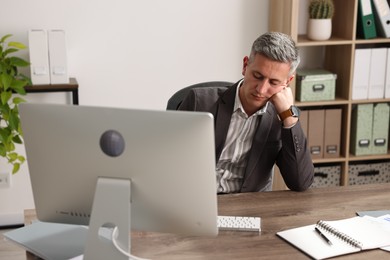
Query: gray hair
{"x": 278, "y": 47}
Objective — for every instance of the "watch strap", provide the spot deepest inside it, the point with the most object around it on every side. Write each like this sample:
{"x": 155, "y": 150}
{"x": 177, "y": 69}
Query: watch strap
{"x": 285, "y": 114}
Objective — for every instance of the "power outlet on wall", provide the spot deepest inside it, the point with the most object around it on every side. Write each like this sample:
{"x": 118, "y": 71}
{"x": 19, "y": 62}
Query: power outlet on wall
{"x": 5, "y": 179}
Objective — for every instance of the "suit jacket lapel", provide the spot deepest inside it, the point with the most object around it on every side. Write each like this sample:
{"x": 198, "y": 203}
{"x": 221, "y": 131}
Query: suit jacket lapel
{"x": 223, "y": 117}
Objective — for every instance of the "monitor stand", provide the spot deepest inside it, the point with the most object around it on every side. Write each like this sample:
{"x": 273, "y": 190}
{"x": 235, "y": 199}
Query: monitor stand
{"x": 111, "y": 208}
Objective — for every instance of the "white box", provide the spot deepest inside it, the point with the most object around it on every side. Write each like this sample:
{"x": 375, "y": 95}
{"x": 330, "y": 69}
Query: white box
{"x": 39, "y": 57}
{"x": 58, "y": 57}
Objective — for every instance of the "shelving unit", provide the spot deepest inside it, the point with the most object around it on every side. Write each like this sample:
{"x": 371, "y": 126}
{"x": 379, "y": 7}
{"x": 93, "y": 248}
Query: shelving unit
{"x": 338, "y": 57}
{"x": 72, "y": 86}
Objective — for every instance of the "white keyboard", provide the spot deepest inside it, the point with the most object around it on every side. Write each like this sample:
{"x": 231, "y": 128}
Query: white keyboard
{"x": 239, "y": 223}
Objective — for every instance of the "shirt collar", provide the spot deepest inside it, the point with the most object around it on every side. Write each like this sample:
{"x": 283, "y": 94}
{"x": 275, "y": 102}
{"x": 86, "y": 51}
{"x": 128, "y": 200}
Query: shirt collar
{"x": 238, "y": 104}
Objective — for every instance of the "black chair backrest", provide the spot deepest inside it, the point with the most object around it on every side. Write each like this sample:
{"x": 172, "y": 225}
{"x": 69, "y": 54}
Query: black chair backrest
{"x": 176, "y": 99}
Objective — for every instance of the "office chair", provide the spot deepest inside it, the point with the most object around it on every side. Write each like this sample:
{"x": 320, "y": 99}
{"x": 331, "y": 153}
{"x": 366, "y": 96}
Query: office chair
{"x": 176, "y": 99}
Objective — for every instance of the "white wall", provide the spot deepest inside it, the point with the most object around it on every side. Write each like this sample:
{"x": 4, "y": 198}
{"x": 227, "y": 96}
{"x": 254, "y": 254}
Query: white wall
{"x": 135, "y": 53}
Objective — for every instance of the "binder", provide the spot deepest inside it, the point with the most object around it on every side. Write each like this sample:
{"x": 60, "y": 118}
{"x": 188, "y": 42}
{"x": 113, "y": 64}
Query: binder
{"x": 382, "y": 17}
{"x": 376, "y": 87}
{"x": 366, "y": 27}
{"x": 361, "y": 129}
{"x": 380, "y": 128}
{"x": 361, "y": 74}
{"x": 332, "y": 133}
{"x": 387, "y": 77}
{"x": 58, "y": 57}
{"x": 39, "y": 57}
{"x": 316, "y": 133}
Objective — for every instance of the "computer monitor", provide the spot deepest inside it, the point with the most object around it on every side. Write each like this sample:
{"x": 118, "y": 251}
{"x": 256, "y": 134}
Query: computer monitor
{"x": 168, "y": 158}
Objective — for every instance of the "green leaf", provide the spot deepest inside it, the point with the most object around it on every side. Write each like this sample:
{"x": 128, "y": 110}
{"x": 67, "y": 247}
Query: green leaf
{"x": 18, "y": 86}
{"x": 18, "y": 45}
{"x": 25, "y": 78}
{"x": 5, "y": 96}
{"x": 19, "y": 62}
{"x": 17, "y": 139}
{"x": 6, "y": 80}
{"x": 18, "y": 100}
{"x": 9, "y": 51}
{"x": 3, "y": 151}
{"x": 5, "y": 37}
{"x": 16, "y": 168}
{"x": 12, "y": 157}
{"x": 14, "y": 120}
{"x": 21, "y": 158}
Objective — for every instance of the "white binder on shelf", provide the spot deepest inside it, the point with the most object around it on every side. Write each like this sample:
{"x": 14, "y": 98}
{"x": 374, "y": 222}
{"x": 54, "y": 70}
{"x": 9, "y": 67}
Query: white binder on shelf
{"x": 361, "y": 74}
{"x": 39, "y": 57}
{"x": 382, "y": 17}
{"x": 387, "y": 78}
{"x": 376, "y": 87}
{"x": 58, "y": 57}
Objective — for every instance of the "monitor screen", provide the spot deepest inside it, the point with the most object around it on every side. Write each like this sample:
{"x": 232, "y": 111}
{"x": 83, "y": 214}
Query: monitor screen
{"x": 168, "y": 156}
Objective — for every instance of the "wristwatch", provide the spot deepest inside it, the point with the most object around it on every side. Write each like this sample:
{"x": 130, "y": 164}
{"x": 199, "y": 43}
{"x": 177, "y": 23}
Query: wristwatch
{"x": 292, "y": 111}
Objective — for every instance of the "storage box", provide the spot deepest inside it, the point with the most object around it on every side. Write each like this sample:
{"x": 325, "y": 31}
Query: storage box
{"x": 380, "y": 128}
{"x": 361, "y": 129}
{"x": 315, "y": 85}
{"x": 326, "y": 176}
{"x": 369, "y": 173}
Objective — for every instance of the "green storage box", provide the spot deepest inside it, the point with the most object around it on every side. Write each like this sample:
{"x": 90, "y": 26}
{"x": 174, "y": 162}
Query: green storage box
{"x": 380, "y": 128}
{"x": 315, "y": 85}
{"x": 361, "y": 129}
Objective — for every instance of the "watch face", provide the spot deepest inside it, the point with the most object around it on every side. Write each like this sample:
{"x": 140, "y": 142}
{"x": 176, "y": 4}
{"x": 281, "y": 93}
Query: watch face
{"x": 295, "y": 111}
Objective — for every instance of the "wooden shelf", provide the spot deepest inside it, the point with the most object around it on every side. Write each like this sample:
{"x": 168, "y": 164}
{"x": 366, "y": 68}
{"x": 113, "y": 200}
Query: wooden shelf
{"x": 73, "y": 87}
{"x": 338, "y": 57}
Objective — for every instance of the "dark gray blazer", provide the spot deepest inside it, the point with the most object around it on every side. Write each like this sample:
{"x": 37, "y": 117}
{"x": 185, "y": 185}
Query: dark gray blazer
{"x": 271, "y": 143}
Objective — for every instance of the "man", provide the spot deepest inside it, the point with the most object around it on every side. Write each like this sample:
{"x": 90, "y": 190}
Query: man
{"x": 256, "y": 123}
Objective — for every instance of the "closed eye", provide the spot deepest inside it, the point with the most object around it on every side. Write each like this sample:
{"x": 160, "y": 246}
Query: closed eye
{"x": 273, "y": 82}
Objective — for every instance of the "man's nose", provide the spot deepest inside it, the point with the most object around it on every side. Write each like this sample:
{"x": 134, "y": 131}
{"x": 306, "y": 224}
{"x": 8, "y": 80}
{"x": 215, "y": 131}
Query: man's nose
{"x": 262, "y": 86}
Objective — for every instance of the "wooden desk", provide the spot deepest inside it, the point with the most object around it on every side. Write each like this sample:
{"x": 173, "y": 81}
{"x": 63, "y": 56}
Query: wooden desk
{"x": 278, "y": 210}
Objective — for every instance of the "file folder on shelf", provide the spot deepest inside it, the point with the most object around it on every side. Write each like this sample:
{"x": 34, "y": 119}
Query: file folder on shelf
{"x": 380, "y": 128}
{"x": 361, "y": 130}
{"x": 382, "y": 17}
{"x": 316, "y": 133}
{"x": 387, "y": 77}
{"x": 366, "y": 27}
{"x": 376, "y": 87}
{"x": 332, "y": 133}
{"x": 361, "y": 74}
{"x": 58, "y": 57}
{"x": 39, "y": 57}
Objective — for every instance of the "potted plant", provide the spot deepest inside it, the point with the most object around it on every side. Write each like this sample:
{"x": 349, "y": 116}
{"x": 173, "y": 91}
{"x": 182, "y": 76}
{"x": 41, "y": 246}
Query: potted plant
{"x": 12, "y": 84}
{"x": 319, "y": 27}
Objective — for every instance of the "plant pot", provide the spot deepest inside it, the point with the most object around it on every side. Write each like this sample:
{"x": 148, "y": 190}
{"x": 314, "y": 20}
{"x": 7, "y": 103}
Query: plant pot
{"x": 319, "y": 29}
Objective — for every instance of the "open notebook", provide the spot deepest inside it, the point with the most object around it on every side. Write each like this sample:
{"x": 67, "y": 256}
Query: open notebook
{"x": 346, "y": 236}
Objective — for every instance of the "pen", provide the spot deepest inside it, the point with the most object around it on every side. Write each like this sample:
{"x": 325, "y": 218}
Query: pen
{"x": 323, "y": 236}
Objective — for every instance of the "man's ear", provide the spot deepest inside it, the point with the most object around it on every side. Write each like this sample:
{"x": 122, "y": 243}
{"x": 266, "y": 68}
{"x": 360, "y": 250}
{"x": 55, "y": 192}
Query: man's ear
{"x": 244, "y": 64}
{"x": 290, "y": 79}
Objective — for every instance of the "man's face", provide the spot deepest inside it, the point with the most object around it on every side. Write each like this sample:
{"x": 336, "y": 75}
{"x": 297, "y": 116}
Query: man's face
{"x": 262, "y": 79}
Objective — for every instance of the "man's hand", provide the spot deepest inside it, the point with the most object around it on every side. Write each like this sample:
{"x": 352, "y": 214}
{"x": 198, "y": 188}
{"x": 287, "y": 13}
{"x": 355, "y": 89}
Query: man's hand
{"x": 282, "y": 101}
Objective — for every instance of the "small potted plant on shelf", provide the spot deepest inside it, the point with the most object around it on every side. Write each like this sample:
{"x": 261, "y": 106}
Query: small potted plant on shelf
{"x": 319, "y": 27}
{"x": 12, "y": 84}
